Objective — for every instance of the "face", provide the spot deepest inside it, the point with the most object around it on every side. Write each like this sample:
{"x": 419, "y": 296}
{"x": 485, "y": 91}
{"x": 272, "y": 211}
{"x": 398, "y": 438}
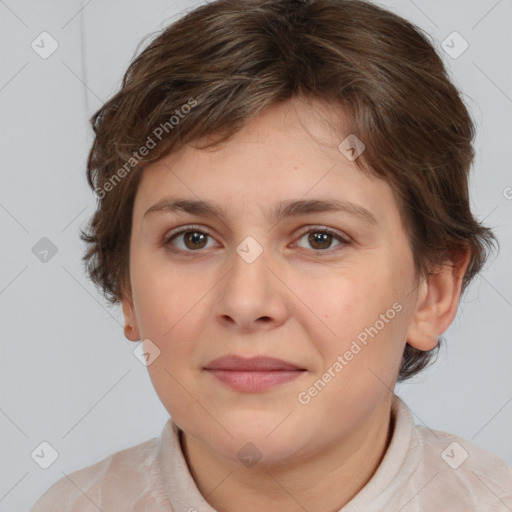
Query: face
{"x": 331, "y": 292}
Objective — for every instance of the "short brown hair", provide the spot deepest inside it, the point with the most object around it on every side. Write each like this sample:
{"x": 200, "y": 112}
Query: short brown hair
{"x": 229, "y": 59}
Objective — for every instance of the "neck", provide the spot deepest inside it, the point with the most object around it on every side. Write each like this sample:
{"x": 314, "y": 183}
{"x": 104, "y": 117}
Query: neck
{"x": 326, "y": 481}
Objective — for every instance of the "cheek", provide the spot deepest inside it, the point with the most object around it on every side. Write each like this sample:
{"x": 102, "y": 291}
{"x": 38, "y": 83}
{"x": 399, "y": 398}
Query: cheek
{"x": 352, "y": 300}
{"x": 161, "y": 297}
{"x": 172, "y": 310}
{"x": 363, "y": 315}
{"x": 181, "y": 331}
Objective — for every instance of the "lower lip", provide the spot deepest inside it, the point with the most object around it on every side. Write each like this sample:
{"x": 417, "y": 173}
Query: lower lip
{"x": 254, "y": 382}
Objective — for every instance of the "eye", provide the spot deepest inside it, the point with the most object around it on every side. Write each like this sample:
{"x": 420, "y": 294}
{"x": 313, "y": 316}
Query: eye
{"x": 320, "y": 238}
{"x": 193, "y": 239}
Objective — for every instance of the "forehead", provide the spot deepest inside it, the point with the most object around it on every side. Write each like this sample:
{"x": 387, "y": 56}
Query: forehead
{"x": 288, "y": 152}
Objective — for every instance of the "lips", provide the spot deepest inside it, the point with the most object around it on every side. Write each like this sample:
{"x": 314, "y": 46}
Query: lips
{"x": 253, "y": 364}
{"x": 252, "y": 375}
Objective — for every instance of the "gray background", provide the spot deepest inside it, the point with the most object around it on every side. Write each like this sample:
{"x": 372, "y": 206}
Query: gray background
{"x": 68, "y": 376}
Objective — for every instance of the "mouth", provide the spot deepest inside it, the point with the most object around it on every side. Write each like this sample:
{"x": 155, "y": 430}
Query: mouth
{"x": 252, "y": 375}
{"x": 252, "y": 364}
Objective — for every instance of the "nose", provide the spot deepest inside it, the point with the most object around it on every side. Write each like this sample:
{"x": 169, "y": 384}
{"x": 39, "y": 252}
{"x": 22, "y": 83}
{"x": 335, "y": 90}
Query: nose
{"x": 252, "y": 296}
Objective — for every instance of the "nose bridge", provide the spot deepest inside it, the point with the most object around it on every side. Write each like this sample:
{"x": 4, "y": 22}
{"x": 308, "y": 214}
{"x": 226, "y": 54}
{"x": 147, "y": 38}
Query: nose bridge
{"x": 250, "y": 291}
{"x": 249, "y": 264}
{"x": 250, "y": 250}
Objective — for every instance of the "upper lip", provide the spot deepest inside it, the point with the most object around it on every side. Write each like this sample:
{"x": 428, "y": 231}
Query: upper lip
{"x": 254, "y": 364}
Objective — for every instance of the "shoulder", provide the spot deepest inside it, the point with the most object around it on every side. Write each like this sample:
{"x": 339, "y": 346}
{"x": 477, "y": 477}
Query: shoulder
{"x": 124, "y": 478}
{"x": 462, "y": 468}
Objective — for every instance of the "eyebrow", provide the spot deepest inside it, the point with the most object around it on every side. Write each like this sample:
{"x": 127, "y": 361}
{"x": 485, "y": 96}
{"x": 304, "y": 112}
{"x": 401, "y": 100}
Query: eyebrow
{"x": 283, "y": 210}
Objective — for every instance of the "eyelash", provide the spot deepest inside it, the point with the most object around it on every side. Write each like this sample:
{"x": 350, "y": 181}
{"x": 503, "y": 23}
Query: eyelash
{"x": 314, "y": 229}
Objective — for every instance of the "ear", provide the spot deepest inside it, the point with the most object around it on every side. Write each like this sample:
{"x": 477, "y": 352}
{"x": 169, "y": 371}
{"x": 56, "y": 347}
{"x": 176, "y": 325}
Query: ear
{"x": 438, "y": 300}
{"x": 131, "y": 329}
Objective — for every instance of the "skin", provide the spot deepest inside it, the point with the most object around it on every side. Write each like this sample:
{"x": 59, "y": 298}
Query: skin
{"x": 293, "y": 302}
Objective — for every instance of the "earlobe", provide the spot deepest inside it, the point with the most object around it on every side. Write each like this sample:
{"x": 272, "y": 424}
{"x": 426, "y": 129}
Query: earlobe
{"x": 437, "y": 304}
{"x": 131, "y": 333}
{"x": 131, "y": 329}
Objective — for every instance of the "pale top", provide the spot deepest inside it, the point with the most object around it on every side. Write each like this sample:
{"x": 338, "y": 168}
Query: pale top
{"x": 422, "y": 470}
